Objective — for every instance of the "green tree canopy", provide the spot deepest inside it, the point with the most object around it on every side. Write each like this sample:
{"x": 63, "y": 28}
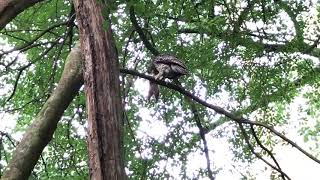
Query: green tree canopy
{"x": 256, "y": 62}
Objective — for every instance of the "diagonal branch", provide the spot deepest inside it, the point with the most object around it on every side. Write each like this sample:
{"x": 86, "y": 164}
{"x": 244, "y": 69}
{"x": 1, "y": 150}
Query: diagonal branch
{"x": 247, "y": 140}
{"x": 202, "y": 133}
{"x": 298, "y": 27}
{"x": 219, "y": 110}
{"x": 29, "y": 43}
{"x": 21, "y": 69}
{"x": 268, "y": 151}
{"x": 242, "y": 17}
{"x": 142, "y": 36}
{"x": 40, "y": 132}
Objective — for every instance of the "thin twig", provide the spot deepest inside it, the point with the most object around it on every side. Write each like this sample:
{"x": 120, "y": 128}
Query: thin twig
{"x": 202, "y": 133}
{"x": 267, "y": 150}
{"x": 246, "y": 138}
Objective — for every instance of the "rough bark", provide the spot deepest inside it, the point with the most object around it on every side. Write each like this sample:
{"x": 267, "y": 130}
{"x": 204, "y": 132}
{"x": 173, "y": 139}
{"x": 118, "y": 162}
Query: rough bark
{"x": 9, "y": 9}
{"x": 101, "y": 79}
{"x": 40, "y": 132}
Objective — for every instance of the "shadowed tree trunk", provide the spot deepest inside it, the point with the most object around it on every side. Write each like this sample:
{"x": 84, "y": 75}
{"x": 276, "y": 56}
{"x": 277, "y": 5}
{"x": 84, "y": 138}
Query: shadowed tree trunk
{"x": 101, "y": 77}
{"x": 40, "y": 132}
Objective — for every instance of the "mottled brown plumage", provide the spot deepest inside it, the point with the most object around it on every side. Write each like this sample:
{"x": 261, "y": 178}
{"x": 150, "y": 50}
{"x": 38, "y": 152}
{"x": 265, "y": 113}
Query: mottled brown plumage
{"x": 168, "y": 66}
{"x": 153, "y": 91}
{"x": 165, "y": 66}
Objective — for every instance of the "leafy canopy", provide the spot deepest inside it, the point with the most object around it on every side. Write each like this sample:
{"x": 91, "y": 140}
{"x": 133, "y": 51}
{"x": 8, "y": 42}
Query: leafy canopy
{"x": 253, "y": 58}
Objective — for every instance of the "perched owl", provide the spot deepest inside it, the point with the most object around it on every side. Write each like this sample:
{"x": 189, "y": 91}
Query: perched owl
{"x": 165, "y": 66}
{"x": 168, "y": 66}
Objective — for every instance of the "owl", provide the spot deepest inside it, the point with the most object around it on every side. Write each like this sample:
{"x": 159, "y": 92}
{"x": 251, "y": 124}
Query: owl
{"x": 168, "y": 66}
{"x": 165, "y": 66}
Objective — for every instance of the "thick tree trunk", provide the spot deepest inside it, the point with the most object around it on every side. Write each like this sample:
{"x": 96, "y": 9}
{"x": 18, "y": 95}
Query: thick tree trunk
{"x": 40, "y": 132}
{"x": 101, "y": 75}
{"x": 9, "y": 9}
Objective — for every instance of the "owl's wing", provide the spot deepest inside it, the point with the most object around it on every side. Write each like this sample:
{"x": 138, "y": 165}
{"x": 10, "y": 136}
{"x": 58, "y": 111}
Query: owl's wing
{"x": 170, "y": 60}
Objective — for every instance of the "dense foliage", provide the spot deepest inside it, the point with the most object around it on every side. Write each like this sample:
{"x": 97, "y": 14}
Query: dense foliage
{"x": 252, "y": 58}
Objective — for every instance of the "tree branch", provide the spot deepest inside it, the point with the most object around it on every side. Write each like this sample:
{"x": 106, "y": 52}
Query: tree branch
{"x": 268, "y": 151}
{"x": 9, "y": 9}
{"x": 247, "y": 140}
{"x": 21, "y": 69}
{"x": 40, "y": 132}
{"x": 202, "y": 133}
{"x": 142, "y": 36}
{"x": 219, "y": 110}
{"x": 29, "y": 43}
